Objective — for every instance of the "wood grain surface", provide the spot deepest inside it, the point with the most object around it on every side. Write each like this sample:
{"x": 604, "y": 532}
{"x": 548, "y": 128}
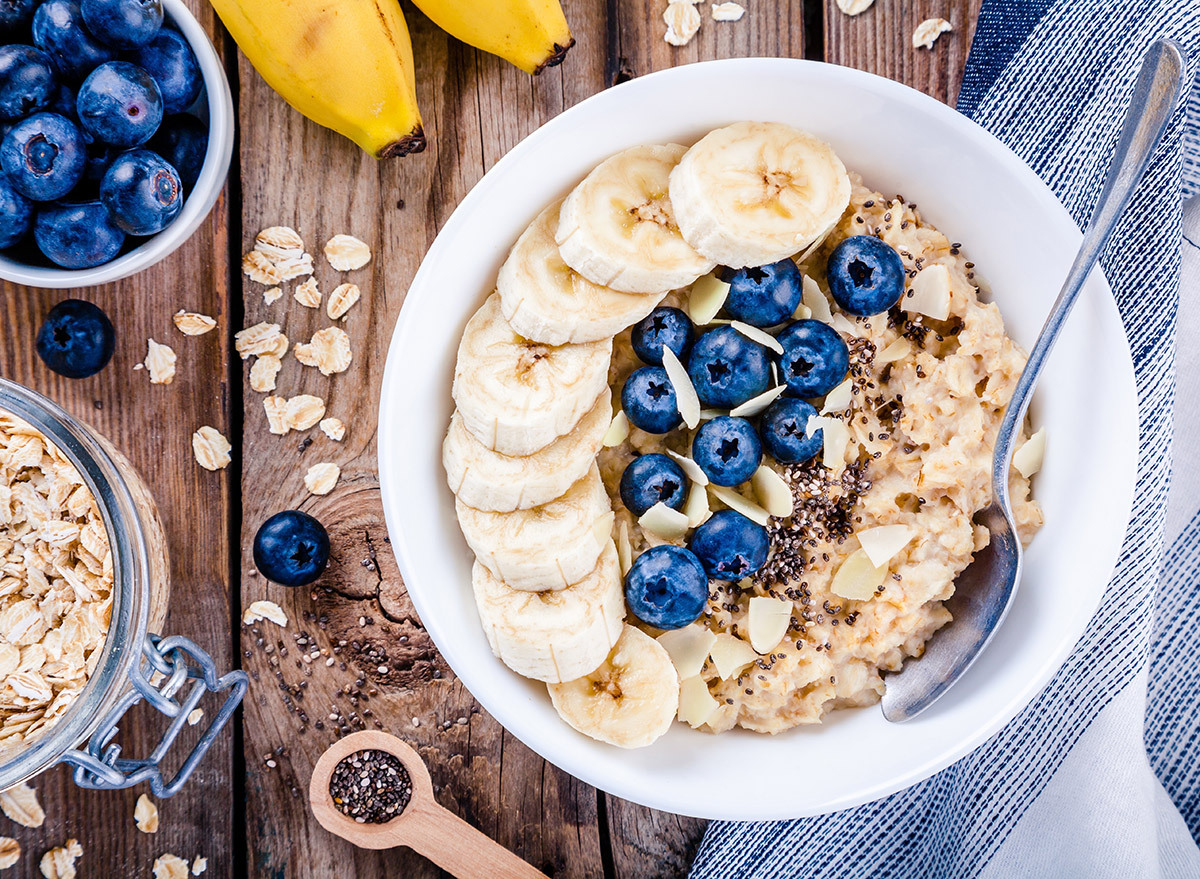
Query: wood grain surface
{"x": 375, "y": 667}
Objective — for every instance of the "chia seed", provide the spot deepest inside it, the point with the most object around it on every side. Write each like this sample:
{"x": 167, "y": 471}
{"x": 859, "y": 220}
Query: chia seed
{"x": 372, "y": 787}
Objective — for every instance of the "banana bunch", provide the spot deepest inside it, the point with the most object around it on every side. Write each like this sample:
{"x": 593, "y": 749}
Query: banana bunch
{"x": 534, "y": 404}
{"x": 348, "y": 64}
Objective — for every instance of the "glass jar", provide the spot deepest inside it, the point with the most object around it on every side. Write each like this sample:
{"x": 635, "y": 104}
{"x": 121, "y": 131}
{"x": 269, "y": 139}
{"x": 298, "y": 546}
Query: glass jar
{"x": 172, "y": 674}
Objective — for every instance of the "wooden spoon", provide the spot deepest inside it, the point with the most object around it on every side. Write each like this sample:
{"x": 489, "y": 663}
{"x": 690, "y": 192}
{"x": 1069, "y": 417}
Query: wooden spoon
{"x": 424, "y": 826}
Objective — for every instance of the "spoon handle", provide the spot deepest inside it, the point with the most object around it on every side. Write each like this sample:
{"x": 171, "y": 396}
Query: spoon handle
{"x": 460, "y": 849}
{"x": 1154, "y": 97}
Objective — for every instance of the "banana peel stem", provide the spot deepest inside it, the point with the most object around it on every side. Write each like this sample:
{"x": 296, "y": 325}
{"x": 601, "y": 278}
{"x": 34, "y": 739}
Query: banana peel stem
{"x": 556, "y": 57}
{"x": 413, "y": 142}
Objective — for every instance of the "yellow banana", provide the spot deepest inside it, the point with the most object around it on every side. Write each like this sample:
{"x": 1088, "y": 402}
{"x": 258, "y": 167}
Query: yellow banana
{"x": 345, "y": 64}
{"x": 532, "y": 34}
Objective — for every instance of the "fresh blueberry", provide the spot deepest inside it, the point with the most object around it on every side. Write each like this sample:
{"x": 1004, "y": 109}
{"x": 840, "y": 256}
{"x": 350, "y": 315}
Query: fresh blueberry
{"x": 815, "y": 358}
{"x": 27, "y": 81}
{"x": 765, "y": 295}
{"x": 866, "y": 275}
{"x": 77, "y": 236}
{"x": 123, "y": 24}
{"x": 120, "y": 104}
{"x": 291, "y": 548}
{"x": 648, "y": 399}
{"x": 59, "y": 32}
{"x": 76, "y": 339}
{"x": 728, "y": 369}
{"x": 664, "y": 327}
{"x": 142, "y": 192}
{"x": 730, "y": 546}
{"x": 172, "y": 63}
{"x": 43, "y": 156}
{"x": 183, "y": 141}
{"x": 15, "y": 14}
{"x": 784, "y": 430}
{"x": 16, "y": 214}
{"x": 667, "y": 587}
{"x": 653, "y": 479}
{"x": 727, "y": 449}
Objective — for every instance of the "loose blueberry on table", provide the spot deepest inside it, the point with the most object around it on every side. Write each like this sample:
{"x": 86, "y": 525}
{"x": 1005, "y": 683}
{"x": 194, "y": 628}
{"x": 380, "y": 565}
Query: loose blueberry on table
{"x": 653, "y": 479}
{"x": 667, "y": 587}
{"x": 291, "y": 548}
{"x": 76, "y": 339}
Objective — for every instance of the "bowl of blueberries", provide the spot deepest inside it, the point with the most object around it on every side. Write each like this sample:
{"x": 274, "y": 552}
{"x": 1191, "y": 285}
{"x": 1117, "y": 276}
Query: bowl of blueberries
{"x": 117, "y": 128}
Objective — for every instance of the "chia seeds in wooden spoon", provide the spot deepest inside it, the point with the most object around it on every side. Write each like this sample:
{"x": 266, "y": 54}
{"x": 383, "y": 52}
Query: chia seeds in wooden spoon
{"x": 372, "y": 787}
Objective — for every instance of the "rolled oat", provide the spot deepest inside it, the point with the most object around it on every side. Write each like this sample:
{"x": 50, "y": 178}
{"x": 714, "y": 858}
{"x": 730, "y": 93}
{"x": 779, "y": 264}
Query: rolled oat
{"x": 263, "y": 373}
{"x": 346, "y": 253}
{"x": 145, "y": 815}
{"x": 211, "y": 448}
{"x": 321, "y": 478}
{"x": 170, "y": 867}
{"x": 334, "y": 429}
{"x": 160, "y": 363}
{"x": 328, "y": 350}
{"x": 59, "y": 862}
{"x": 342, "y": 300}
{"x": 10, "y": 852}
{"x": 265, "y": 610}
{"x": 192, "y": 324}
{"x": 304, "y": 410}
{"x": 308, "y": 294}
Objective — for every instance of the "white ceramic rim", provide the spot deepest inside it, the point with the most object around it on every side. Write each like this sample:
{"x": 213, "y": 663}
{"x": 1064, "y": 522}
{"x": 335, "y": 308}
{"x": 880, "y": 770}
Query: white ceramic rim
{"x": 517, "y": 705}
{"x": 199, "y": 201}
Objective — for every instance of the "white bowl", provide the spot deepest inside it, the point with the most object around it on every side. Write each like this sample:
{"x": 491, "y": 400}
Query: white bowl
{"x": 1021, "y": 238}
{"x": 215, "y": 106}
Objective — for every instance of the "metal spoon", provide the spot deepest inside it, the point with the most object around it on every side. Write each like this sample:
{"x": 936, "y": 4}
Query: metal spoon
{"x": 984, "y": 591}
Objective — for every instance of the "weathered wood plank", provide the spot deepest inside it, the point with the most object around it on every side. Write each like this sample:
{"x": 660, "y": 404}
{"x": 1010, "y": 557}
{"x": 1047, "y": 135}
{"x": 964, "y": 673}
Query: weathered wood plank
{"x": 152, "y": 425}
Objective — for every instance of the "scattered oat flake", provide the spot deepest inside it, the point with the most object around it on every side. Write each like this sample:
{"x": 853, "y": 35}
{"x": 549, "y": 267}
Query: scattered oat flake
{"x": 346, "y": 253}
{"x": 145, "y": 815}
{"x": 333, "y": 428}
{"x": 342, "y": 299}
{"x": 683, "y": 20}
{"x": 273, "y": 295}
{"x": 328, "y": 350}
{"x": 854, "y": 7}
{"x": 308, "y": 295}
{"x": 10, "y": 852}
{"x": 262, "y": 338}
{"x": 304, "y": 410}
{"x": 160, "y": 362}
{"x": 170, "y": 867}
{"x": 265, "y": 610}
{"x": 211, "y": 448}
{"x": 263, "y": 373}
{"x": 21, "y": 804}
{"x": 257, "y": 267}
{"x": 276, "y": 408}
{"x": 321, "y": 478}
{"x": 59, "y": 862}
{"x": 279, "y": 243}
{"x": 928, "y": 31}
{"x": 196, "y": 716}
{"x": 727, "y": 11}
{"x": 192, "y": 324}
{"x": 199, "y": 866}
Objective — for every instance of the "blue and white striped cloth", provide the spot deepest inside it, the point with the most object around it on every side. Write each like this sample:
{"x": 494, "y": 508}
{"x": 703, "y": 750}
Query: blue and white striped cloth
{"x": 1100, "y": 776}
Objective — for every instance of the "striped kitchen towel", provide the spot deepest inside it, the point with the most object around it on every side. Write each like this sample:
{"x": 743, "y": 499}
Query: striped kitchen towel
{"x": 1100, "y": 776}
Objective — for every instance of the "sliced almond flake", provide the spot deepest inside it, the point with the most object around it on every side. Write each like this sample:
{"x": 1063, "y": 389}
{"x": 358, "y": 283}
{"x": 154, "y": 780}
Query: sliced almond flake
{"x": 145, "y": 815}
{"x": 688, "y": 648}
{"x": 929, "y": 293}
{"x": 730, "y": 654}
{"x": 346, "y": 253}
{"x": 273, "y": 295}
{"x": 858, "y": 578}
{"x": 802, "y": 312}
{"x": 696, "y": 506}
{"x": 328, "y": 350}
{"x": 897, "y": 350}
{"x": 308, "y": 294}
{"x": 727, "y": 11}
{"x": 624, "y": 549}
{"x": 170, "y": 867}
{"x": 740, "y": 504}
{"x": 854, "y": 7}
{"x": 685, "y": 392}
{"x": 838, "y": 400}
{"x": 160, "y": 362}
{"x": 265, "y": 610}
{"x": 211, "y": 448}
{"x": 20, "y": 803}
{"x": 815, "y": 300}
{"x": 341, "y": 300}
{"x": 928, "y": 31}
{"x": 276, "y": 409}
{"x": 710, "y": 414}
{"x": 847, "y": 327}
{"x": 59, "y": 862}
{"x": 690, "y": 468}
{"x": 758, "y": 336}
{"x": 10, "y": 852}
{"x": 333, "y": 428}
{"x": 304, "y": 410}
{"x": 835, "y": 438}
{"x": 199, "y": 866}
{"x": 883, "y": 542}
{"x": 262, "y": 338}
{"x": 706, "y": 299}
{"x": 773, "y": 492}
{"x": 662, "y": 521}
{"x": 321, "y": 478}
{"x": 767, "y": 621}
{"x": 758, "y": 404}
{"x": 618, "y": 430}
{"x": 260, "y": 269}
{"x": 192, "y": 324}
{"x": 696, "y": 703}
{"x": 683, "y": 21}
{"x": 263, "y": 373}
{"x": 1028, "y": 458}
{"x": 195, "y": 716}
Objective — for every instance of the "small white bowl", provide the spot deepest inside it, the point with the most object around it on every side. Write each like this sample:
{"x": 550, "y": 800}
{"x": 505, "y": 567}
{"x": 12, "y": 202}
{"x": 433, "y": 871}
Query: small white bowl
{"x": 1022, "y": 240}
{"x": 217, "y": 102}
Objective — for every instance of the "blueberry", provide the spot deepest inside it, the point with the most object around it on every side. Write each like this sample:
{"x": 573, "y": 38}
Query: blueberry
{"x": 730, "y": 546}
{"x": 648, "y": 399}
{"x": 183, "y": 141}
{"x": 76, "y": 339}
{"x": 27, "y": 81}
{"x": 727, "y": 449}
{"x": 815, "y": 358}
{"x": 123, "y": 24}
{"x": 728, "y": 369}
{"x": 120, "y": 104}
{"x": 142, "y": 192}
{"x": 172, "y": 63}
{"x": 15, "y": 14}
{"x": 866, "y": 275}
{"x": 16, "y": 214}
{"x": 291, "y": 548}
{"x": 43, "y": 156}
{"x": 77, "y": 236}
{"x": 664, "y": 327}
{"x": 59, "y": 32}
{"x": 784, "y": 431}
{"x": 765, "y": 295}
{"x": 666, "y": 587}
{"x": 653, "y": 479}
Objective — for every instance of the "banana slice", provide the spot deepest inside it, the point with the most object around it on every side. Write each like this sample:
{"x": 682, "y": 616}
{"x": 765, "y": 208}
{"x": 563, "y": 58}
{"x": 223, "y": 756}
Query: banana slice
{"x": 547, "y": 547}
{"x": 486, "y": 480}
{"x": 754, "y": 193}
{"x": 545, "y": 299}
{"x": 555, "y": 635}
{"x": 617, "y": 227}
{"x": 517, "y": 396}
{"x": 628, "y": 701}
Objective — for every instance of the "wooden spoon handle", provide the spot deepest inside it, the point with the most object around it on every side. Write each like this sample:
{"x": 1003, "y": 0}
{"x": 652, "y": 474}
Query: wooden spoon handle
{"x": 460, "y": 849}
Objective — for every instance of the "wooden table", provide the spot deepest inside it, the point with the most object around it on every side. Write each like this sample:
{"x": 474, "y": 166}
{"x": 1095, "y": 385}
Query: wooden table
{"x": 248, "y": 816}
